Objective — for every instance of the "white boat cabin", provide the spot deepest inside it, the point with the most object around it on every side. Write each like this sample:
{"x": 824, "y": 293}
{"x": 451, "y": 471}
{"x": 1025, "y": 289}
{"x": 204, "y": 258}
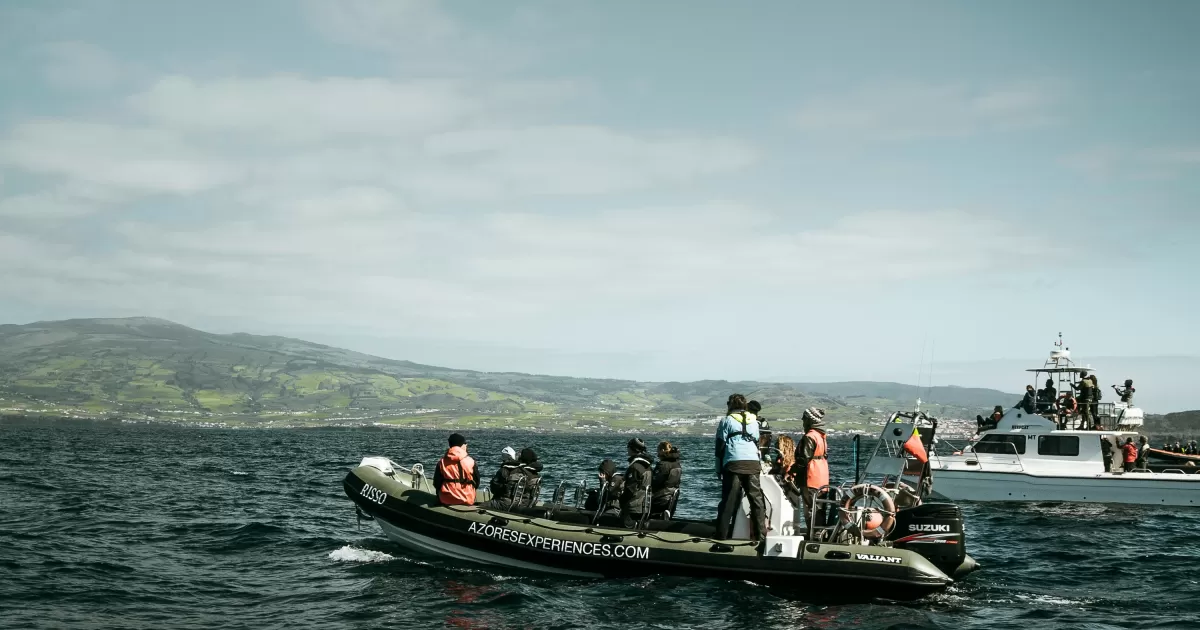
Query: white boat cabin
{"x": 1032, "y": 443}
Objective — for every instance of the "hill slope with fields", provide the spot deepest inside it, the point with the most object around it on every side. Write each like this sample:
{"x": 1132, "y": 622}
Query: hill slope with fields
{"x": 155, "y": 369}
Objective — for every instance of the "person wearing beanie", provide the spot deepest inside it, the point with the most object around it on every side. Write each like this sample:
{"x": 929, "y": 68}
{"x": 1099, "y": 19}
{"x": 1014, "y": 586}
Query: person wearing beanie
{"x": 637, "y": 483}
{"x": 738, "y": 468}
{"x": 505, "y": 481}
{"x": 532, "y": 469}
{"x": 455, "y": 476}
{"x": 609, "y": 492}
{"x": 811, "y": 470}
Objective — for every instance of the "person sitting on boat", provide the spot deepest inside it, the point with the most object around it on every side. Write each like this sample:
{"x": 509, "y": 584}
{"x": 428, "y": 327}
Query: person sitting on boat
{"x": 811, "y": 469}
{"x": 1126, "y": 393}
{"x": 609, "y": 491}
{"x": 668, "y": 475}
{"x": 991, "y": 421}
{"x": 637, "y": 483}
{"x": 1046, "y": 397}
{"x": 455, "y": 476}
{"x": 1028, "y": 404}
{"x": 1131, "y": 454}
{"x": 1067, "y": 406}
{"x": 532, "y": 469}
{"x": 1143, "y": 452}
{"x": 506, "y": 479}
{"x": 738, "y": 467}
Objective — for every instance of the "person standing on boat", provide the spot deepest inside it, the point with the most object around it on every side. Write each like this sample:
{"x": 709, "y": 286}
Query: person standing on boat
{"x": 637, "y": 483}
{"x": 738, "y": 468}
{"x": 1087, "y": 394}
{"x": 505, "y": 481}
{"x": 1131, "y": 454}
{"x": 812, "y": 468}
{"x": 1143, "y": 452}
{"x": 455, "y": 476}
{"x": 1126, "y": 393}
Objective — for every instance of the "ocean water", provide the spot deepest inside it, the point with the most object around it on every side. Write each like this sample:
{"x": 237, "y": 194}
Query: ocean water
{"x": 135, "y": 526}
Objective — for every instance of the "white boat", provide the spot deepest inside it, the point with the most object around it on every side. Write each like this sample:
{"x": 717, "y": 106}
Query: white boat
{"x": 1047, "y": 455}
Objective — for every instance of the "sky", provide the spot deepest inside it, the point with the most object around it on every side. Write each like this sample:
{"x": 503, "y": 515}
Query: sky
{"x": 675, "y": 190}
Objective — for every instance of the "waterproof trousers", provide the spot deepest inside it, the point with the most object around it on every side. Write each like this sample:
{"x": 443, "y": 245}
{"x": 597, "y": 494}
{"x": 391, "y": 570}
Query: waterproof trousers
{"x": 739, "y": 477}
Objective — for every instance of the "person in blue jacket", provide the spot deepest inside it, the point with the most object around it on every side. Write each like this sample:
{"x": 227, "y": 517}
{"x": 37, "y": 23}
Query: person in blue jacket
{"x": 738, "y": 467}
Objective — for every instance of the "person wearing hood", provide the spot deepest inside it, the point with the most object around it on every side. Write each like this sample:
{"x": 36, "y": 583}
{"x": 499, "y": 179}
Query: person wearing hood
{"x": 637, "y": 483}
{"x": 532, "y": 469}
{"x": 455, "y": 476}
{"x": 505, "y": 481}
{"x": 738, "y": 468}
{"x": 668, "y": 474}
{"x": 811, "y": 470}
{"x": 610, "y": 488}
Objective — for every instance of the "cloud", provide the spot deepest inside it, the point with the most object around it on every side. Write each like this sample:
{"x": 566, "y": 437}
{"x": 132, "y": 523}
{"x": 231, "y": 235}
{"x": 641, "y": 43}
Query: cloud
{"x": 418, "y": 34}
{"x": 53, "y": 204}
{"x": 1145, "y": 163}
{"x": 296, "y": 108}
{"x": 394, "y": 268}
{"x": 141, "y": 159}
{"x": 81, "y": 65}
{"x": 904, "y": 111}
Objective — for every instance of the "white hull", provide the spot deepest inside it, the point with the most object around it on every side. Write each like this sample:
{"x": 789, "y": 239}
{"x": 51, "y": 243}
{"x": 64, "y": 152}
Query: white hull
{"x": 434, "y": 546}
{"x": 1134, "y": 488}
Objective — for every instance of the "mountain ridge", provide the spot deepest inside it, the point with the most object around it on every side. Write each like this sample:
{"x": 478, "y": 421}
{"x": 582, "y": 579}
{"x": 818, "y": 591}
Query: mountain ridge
{"x": 156, "y": 368}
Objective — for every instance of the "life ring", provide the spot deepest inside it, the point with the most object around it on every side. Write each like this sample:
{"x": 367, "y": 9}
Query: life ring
{"x": 1067, "y": 404}
{"x": 876, "y": 522}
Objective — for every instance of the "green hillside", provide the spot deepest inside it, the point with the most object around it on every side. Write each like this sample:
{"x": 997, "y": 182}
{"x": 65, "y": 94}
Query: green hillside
{"x": 154, "y": 369}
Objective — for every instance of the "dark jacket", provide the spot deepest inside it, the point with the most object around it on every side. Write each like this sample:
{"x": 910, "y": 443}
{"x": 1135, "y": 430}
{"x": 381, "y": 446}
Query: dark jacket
{"x": 612, "y": 496}
{"x": 504, "y": 484}
{"x": 533, "y": 480}
{"x": 668, "y": 474}
{"x": 637, "y": 484}
{"x": 1029, "y": 403}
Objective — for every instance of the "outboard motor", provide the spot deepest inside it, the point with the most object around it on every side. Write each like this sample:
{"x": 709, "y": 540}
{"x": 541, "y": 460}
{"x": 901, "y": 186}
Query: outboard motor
{"x": 934, "y": 530}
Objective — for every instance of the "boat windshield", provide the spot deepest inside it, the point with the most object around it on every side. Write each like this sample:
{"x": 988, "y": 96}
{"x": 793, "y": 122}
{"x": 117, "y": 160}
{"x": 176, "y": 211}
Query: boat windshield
{"x": 1001, "y": 444}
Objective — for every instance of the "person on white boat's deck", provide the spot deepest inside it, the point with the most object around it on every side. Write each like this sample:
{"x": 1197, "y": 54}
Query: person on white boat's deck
{"x": 1126, "y": 393}
{"x": 1131, "y": 454}
{"x": 1028, "y": 404}
{"x": 1046, "y": 397}
{"x": 738, "y": 467}
{"x": 1087, "y": 394}
{"x": 1143, "y": 451}
{"x": 1106, "y": 453}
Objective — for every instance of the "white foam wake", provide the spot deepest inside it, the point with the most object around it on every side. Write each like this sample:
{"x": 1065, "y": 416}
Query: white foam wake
{"x": 352, "y": 554}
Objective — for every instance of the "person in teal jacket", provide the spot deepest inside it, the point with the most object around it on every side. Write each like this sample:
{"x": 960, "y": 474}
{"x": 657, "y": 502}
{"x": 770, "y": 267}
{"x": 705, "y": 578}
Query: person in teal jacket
{"x": 738, "y": 467}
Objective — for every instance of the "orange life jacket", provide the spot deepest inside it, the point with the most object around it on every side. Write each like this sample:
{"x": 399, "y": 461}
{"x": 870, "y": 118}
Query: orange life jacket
{"x": 818, "y": 468}
{"x": 1130, "y": 453}
{"x": 457, "y": 472}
